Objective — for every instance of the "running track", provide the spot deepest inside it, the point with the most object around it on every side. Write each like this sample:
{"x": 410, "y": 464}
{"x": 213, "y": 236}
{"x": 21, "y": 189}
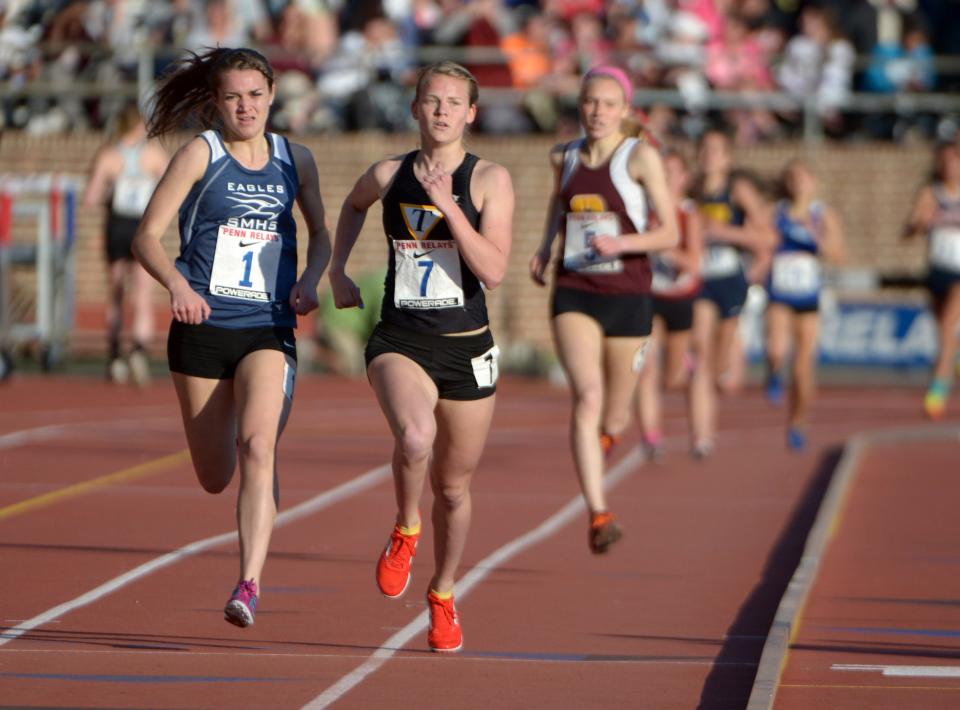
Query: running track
{"x": 116, "y": 565}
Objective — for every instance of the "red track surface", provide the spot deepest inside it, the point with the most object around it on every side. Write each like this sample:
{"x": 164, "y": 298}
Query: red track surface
{"x": 888, "y": 593}
{"x": 674, "y": 617}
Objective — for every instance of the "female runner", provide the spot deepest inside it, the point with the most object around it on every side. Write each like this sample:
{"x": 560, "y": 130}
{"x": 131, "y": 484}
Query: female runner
{"x": 606, "y": 184}
{"x": 808, "y": 232}
{"x": 736, "y": 219}
{"x": 234, "y": 292}
{"x": 431, "y": 360}
{"x": 676, "y": 283}
{"x": 936, "y": 213}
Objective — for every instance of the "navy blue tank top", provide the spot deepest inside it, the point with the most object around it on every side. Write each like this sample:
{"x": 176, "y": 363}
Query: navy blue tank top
{"x": 795, "y": 274}
{"x": 721, "y": 260}
{"x": 238, "y": 237}
{"x": 429, "y": 288}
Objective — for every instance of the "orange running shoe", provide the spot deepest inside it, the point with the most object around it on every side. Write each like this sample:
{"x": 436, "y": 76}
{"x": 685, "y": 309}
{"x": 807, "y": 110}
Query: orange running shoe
{"x": 393, "y": 567}
{"x": 604, "y": 531}
{"x": 445, "y": 635}
{"x": 607, "y": 443}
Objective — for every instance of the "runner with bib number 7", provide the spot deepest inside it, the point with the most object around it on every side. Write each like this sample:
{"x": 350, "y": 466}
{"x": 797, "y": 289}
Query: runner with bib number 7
{"x": 431, "y": 360}
{"x": 807, "y": 231}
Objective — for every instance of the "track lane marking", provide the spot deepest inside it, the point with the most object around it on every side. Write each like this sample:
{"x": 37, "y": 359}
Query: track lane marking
{"x": 301, "y": 510}
{"x": 27, "y": 436}
{"x": 894, "y": 671}
{"x": 623, "y": 468}
{"x": 836, "y": 686}
{"x": 77, "y": 489}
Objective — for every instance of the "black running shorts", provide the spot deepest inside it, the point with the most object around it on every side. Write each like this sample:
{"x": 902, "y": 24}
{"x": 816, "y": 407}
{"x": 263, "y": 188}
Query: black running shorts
{"x": 677, "y": 313}
{"x": 620, "y": 315}
{"x": 208, "y": 351}
{"x": 119, "y": 236}
{"x": 463, "y": 367}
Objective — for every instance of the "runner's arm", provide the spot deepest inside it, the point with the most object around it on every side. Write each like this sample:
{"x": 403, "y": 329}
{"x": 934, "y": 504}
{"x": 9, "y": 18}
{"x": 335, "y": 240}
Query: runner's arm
{"x": 366, "y": 191}
{"x": 303, "y": 296}
{"x": 833, "y": 243}
{"x": 921, "y": 213}
{"x": 646, "y": 167}
{"x": 541, "y": 257}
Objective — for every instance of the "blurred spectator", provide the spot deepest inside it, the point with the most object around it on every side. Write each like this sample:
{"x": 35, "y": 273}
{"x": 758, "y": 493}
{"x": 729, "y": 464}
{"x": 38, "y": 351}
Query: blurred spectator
{"x": 902, "y": 60}
{"x": 529, "y": 55}
{"x": 818, "y": 63}
{"x": 480, "y": 27}
{"x": 528, "y": 49}
{"x": 529, "y": 58}
{"x": 902, "y": 64}
{"x": 737, "y": 61}
{"x": 305, "y": 35}
{"x": 217, "y": 26}
{"x": 586, "y": 47}
{"x": 366, "y": 83}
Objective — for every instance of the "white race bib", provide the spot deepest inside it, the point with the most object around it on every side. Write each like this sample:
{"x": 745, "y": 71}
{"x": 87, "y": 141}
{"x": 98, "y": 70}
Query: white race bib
{"x": 578, "y": 253}
{"x": 131, "y": 195}
{"x": 796, "y": 274}
{"x": 427, "y": 274}
{"x": 721, "y": 260}
{"x": 945, "y": 248}
{"x": 486, "y": 368}
{"x": 245, "y": 264}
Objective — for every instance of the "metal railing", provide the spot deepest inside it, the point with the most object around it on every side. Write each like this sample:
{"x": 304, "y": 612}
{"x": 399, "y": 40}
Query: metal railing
{"x": 939, "y": 104}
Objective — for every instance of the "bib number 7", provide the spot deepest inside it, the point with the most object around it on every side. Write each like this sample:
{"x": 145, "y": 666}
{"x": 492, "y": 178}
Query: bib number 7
{"x": 427, "y": 268}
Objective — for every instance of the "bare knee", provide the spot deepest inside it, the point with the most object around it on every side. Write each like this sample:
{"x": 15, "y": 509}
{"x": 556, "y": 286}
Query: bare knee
{"x": 257, "y": 452}
{"x": 452, "y": 496}
{"x": 214, "y": 476}
{"x": 415, "y": 442}
{"x": 588, "y": 402}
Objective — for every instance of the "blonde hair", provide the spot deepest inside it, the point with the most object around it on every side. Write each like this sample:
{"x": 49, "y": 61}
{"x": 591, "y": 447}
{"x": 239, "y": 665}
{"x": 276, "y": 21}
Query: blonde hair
{"x": 127, "y": 119}
{"x": 452, "y": 69}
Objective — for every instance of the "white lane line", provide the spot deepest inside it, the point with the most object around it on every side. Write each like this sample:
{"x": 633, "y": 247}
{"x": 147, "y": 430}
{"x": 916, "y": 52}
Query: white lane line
{"x": 902, "y": 671}
{"x": 27, "y": 436}
{"x": 308, "y": 507}
{"x": 477, "y": 574}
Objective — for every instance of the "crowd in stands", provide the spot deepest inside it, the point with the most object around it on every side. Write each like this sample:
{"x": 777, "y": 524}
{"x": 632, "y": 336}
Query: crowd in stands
{"x": 348, "y": 64}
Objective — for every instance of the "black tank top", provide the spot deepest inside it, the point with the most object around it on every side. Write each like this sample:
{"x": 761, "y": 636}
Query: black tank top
{"x": 429, "y": 288}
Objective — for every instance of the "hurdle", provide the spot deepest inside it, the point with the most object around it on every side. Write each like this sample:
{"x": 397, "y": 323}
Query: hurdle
{"x": 48, "y": 202}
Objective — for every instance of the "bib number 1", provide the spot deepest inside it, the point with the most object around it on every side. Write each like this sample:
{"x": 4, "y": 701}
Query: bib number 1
{"x": 245, "y": 264}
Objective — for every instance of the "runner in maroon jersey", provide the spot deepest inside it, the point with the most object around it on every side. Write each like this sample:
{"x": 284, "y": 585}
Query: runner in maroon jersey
{"x": 607, "y": 182}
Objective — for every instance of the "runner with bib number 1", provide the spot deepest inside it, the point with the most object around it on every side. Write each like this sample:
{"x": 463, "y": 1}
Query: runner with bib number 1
{"x": 234, "y": 291}
{"x": 431, "y": 360}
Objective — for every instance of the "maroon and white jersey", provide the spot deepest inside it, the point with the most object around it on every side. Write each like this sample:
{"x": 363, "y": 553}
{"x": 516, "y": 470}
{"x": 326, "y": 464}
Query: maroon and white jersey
{"x": 601, "y": 201}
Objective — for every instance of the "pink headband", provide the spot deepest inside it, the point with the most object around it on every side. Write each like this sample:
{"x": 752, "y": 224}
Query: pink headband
{"x": 615, "y": 73}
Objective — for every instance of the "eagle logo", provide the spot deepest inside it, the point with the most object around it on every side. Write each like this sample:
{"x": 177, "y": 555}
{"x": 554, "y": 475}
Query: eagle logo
{"x": 262, "y": 206}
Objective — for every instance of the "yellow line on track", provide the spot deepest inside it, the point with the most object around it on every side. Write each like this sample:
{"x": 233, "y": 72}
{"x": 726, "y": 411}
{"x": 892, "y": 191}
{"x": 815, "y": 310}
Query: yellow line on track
{"x": 77, "y": 489}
